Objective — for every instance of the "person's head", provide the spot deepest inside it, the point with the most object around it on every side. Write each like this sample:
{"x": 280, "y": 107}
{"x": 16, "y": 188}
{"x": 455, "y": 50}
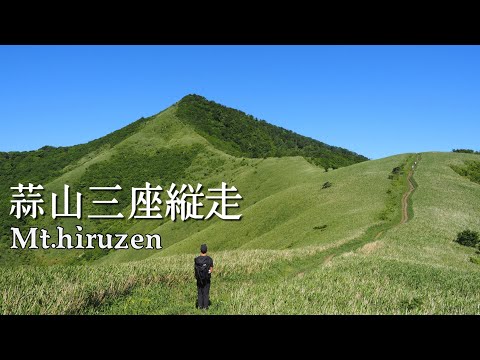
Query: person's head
{"x": 203, "y": 248}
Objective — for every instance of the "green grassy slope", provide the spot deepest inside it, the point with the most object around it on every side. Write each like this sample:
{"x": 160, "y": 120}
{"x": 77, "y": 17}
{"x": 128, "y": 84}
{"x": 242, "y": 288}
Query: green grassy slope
{"x": 283, "y": 204}
{"x": 444, "y": 205}
{"x": 410, "y": 268}
{"x": 414, "y": 268}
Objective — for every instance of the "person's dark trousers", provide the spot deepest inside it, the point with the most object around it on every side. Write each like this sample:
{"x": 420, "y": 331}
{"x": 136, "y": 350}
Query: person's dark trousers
{"x": 203, "y": 296}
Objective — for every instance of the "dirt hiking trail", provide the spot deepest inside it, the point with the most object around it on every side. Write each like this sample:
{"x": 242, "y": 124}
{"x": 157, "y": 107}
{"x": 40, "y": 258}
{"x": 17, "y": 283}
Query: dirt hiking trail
{"x": 406, "y": 195}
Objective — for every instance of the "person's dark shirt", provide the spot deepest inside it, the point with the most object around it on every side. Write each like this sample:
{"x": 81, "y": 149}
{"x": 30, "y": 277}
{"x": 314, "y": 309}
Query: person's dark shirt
{"x": 200, "y": 260}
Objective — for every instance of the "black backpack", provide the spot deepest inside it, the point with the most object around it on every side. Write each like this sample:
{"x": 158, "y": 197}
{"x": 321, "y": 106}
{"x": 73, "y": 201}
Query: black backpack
{"x": 201, "y": 272}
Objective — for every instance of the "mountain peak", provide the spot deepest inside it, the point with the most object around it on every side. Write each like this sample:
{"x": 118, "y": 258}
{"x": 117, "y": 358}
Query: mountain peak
{"x": 243, "y": 135}
{"x": 193, "y": 96}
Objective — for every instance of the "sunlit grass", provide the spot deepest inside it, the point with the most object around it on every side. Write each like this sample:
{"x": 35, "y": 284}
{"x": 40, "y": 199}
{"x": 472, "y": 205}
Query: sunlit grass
{"x": 288, "y": 266}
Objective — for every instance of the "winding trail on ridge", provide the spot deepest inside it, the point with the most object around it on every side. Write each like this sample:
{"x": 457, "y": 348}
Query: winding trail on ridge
{"x": 326, "y": 256}
{"x": 406, "y": 196}
{"x": 405, "y": 216}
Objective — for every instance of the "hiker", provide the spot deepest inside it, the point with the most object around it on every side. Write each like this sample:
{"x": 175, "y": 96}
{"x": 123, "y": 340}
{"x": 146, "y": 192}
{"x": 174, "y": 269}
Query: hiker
{"x": 203, "y": 272}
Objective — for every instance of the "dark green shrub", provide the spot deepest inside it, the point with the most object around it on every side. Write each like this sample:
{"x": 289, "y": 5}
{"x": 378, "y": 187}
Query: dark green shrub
{"x": 327, "y": 185}
{"x": 468, "y": 238}
{"x": 397, "y": 170}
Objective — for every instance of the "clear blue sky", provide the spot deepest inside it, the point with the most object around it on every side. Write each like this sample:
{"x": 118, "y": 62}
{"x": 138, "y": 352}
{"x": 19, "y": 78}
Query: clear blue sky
{"x": 375, "y": 100}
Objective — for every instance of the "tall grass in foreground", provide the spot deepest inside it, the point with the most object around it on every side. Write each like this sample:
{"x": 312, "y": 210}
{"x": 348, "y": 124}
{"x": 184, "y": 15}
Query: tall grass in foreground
{"x": 246, "y": 282}
{"x": 61, "y": 289}
{"x": 359, "y": 284}
{"x": 354, "y": 283}
{"x": 73, "y": 289}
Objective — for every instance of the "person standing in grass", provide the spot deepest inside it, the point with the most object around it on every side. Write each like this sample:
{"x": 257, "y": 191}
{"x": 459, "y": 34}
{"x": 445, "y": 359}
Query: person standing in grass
{"x": 203, "y": 273}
